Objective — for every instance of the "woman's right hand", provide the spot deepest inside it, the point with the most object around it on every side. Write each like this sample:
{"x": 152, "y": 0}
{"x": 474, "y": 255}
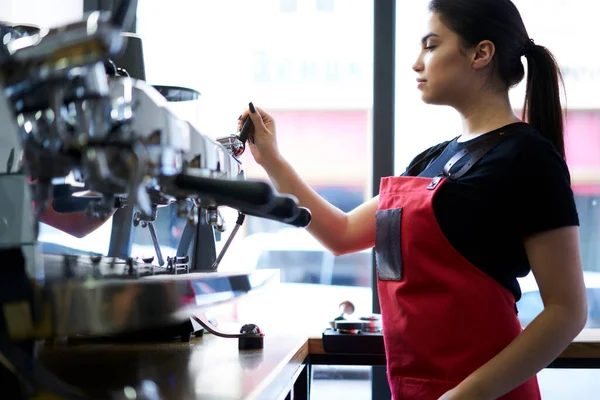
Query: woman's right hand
{"x": 262, "y": 138}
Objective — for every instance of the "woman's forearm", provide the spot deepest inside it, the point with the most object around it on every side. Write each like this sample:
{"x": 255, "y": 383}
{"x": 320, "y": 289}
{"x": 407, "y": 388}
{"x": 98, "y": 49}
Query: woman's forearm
{"x": 329, "y": 223}
{"x": 538, "y": 345}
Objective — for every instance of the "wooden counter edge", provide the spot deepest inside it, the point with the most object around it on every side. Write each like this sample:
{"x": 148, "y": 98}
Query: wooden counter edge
{"x": 315, "y": 345}
{"x": 281, "y": 378}
{"x": 586, "y": 345}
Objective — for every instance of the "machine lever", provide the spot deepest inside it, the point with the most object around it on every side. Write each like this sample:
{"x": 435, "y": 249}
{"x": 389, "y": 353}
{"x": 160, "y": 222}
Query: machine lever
{"x": 245, "y": 131}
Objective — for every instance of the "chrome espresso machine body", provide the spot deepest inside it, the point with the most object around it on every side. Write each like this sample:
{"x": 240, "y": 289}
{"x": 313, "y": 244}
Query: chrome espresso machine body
{"x": 63, "y": 115}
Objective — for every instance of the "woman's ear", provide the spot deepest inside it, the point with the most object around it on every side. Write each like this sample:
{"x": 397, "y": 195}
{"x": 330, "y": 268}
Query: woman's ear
{"x": 483, "y": 54}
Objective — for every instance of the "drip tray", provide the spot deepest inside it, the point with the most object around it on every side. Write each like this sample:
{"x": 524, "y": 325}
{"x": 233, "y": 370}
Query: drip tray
{"x": 353, "y": 343}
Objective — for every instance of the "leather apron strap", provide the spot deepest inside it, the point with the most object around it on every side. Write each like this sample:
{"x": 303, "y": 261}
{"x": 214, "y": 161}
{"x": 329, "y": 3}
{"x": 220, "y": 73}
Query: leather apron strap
{"x": 476, "y": 151}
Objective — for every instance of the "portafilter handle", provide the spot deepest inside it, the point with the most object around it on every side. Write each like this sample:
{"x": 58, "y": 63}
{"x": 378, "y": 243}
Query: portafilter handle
{"x": 245, "y": 131}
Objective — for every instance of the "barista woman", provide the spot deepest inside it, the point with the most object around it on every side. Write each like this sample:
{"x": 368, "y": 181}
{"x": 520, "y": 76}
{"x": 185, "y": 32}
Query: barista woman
{"x": 467, "y": 217}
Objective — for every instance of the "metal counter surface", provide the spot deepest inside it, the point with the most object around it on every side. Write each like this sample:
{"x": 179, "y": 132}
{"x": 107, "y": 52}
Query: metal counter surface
{"x": 213, "y": 368}
{"x": 206, "y": 368}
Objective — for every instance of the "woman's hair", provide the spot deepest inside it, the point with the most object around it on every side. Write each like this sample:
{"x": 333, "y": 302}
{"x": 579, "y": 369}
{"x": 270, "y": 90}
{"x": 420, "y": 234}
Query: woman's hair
{"x": 500, "y": 22}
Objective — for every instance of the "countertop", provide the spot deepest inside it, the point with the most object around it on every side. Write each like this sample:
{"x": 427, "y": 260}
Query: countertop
{"x": 205, "y": 368}
{"x": 293, "y": 318}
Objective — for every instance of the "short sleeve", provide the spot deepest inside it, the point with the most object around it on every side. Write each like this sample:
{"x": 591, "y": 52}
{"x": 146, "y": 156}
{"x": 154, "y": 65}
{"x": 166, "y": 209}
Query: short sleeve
{"x": 544, "y": 198}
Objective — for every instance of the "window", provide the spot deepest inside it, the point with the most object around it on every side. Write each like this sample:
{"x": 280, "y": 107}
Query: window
{"x": 42, "y": 13}
{"x": 288, "y": 6}
{"x": 325, "y": 5}
{"x": 419, "y": 126}
{"x": 303, "y": 79}
{"x": 317, "y": 84}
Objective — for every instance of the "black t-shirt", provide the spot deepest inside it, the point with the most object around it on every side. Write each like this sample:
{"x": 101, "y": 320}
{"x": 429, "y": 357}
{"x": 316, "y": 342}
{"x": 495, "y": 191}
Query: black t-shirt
{"x": 521, "y": 187}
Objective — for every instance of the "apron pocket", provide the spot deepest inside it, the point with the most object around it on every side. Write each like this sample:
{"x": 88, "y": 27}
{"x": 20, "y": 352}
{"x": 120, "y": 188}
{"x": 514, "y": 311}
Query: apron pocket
{"x": 408, "y": 388}
{"x": 388, "y": 254}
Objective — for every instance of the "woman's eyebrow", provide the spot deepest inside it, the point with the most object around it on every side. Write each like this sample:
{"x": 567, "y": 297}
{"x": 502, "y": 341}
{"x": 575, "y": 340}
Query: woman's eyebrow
{"x": 429, "y": 35}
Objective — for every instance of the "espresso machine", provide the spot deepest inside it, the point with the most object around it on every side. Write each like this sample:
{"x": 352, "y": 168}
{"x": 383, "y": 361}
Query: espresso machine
{"x": 64, "y": 112}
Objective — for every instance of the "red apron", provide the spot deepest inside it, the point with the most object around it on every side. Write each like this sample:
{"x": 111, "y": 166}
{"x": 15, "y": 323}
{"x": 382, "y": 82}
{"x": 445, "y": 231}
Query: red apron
{"x": 442, "y": 317}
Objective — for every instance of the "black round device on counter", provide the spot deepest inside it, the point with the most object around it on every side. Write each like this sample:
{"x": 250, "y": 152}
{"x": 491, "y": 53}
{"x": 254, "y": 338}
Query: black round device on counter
{"x": 252, "y": 338}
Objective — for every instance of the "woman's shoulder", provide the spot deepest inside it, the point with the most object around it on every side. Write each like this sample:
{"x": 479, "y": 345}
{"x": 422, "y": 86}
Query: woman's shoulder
{"x": 526, "y": 138}
{"x": 524, "y": 153}
{"x": 529, "y": 146}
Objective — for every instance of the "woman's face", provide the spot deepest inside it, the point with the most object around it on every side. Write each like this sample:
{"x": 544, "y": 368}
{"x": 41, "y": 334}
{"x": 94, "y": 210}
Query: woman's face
{"x": 444, "y": 68}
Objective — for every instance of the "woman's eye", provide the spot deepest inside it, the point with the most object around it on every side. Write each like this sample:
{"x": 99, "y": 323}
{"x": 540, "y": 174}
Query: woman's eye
{"x": 430, "y": 48}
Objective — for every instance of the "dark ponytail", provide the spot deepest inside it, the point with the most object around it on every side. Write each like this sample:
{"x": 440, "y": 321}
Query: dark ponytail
{"x": 500, "y": 22}
{"x": 542, "y": 108}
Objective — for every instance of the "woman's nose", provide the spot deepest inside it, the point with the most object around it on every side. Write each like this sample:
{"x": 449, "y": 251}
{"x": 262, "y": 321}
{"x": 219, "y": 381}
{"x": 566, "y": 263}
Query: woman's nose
{"x": 418, "y": 66}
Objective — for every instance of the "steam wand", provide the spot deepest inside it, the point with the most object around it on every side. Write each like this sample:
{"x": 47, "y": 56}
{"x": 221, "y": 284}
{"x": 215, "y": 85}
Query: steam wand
{"x": 238, "y": 225}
